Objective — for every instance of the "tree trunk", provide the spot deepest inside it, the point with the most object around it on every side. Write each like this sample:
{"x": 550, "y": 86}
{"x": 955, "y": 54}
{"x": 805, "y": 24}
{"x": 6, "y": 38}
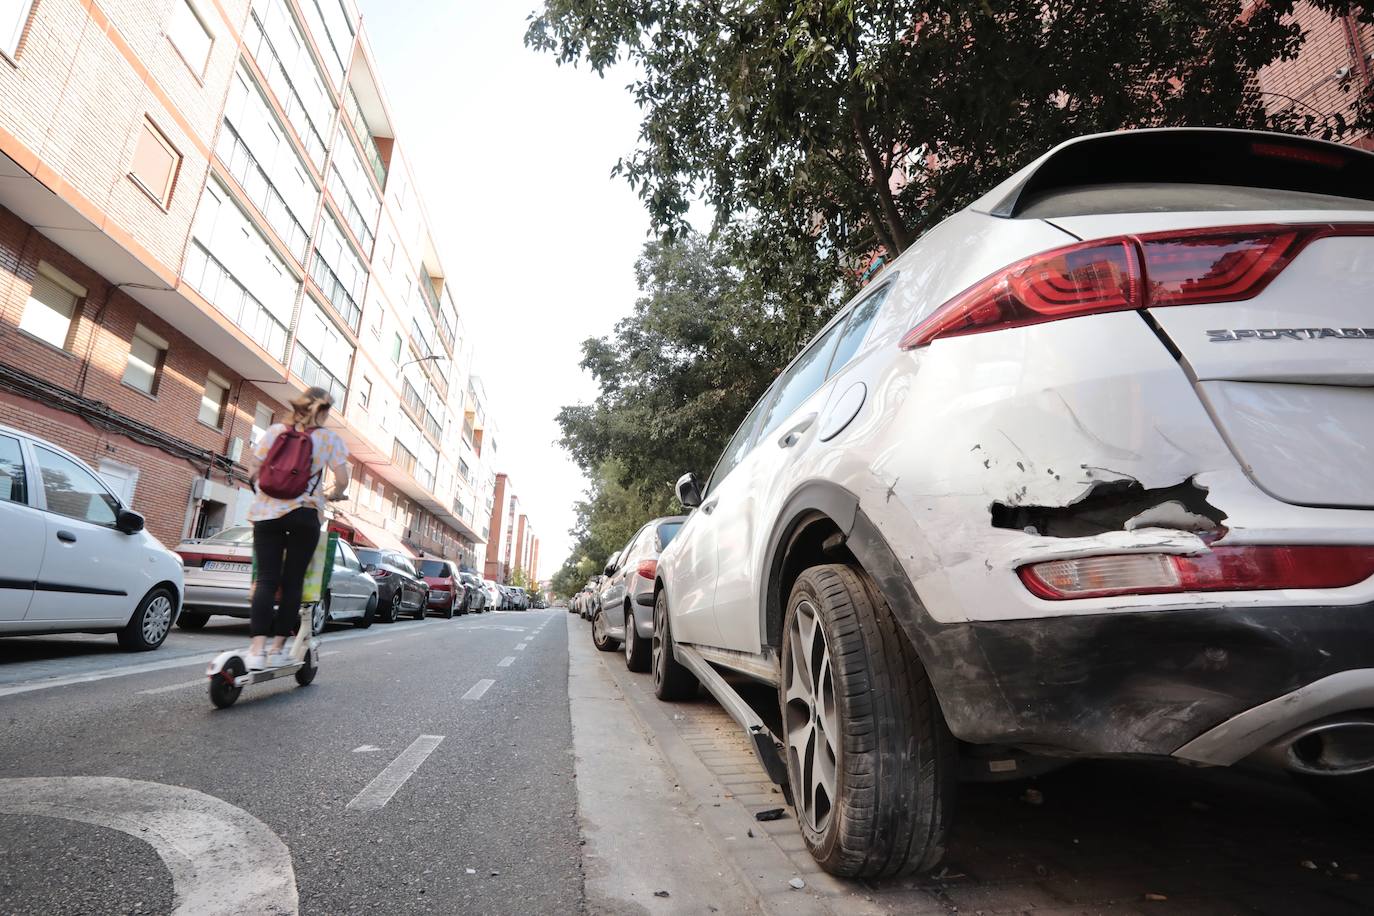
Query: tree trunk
{"x": 880, "y": 177}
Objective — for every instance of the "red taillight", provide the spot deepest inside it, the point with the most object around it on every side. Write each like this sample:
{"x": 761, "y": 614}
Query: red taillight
{"x": 194, "y": 560}
{"x": 1188, "y": 269}
{"x": 1220, "y": 569}
{"x": 1078, "y": 280}
{"x": 647, "y": 568}
{"x": 189, "y": 559}
{"x": 1130, "y": 272}
{"x": 379, "y": 573}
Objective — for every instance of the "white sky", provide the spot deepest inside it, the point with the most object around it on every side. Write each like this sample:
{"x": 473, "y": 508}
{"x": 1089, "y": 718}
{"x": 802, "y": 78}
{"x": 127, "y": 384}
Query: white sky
{"x": 512, "y": 156}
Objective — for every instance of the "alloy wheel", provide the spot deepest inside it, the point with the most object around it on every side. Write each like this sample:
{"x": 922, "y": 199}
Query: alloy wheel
{"x": 656, "y": 648}
{"x": 629, "y": 636}
{"x": 157, "y": 620}
{"x": 811, "y": 718}
{"x": 599, "y": 628}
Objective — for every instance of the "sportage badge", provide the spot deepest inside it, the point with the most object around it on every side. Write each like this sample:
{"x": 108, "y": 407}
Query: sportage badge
{"x": 1290, "y": 334}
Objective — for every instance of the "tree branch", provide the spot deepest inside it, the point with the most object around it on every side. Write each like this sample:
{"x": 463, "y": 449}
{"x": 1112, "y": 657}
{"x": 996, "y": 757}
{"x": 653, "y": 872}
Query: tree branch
{"x": 881, "y": 176}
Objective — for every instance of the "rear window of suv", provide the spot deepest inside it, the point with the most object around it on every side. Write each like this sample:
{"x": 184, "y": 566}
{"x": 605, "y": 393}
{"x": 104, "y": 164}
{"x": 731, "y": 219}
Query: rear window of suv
{"x": 436, "y": 569}
{"x": 666, "y": 532}
{"x": 368, "y": 557}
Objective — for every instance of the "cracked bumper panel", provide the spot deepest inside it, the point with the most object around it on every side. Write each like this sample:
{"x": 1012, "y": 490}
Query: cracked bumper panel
{"x": 976, "y": 429}
{"x": 1135, "y": 683}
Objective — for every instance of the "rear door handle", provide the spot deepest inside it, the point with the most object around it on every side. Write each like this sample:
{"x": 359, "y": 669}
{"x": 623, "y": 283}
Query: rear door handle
{"x": 66, "y": 537}
{"x": 790, "y": 437}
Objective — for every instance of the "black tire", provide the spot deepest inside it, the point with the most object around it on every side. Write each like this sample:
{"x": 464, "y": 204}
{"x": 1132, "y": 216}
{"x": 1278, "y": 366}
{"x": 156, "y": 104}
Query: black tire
{"x": 151, "y": 621}
{"x": 223, "y": 693}
{"x": 393, "y": 608}
{"x": 894, "y": 756}
{"x": 423, "y": 609}
{"x": 191, "y": 620}
{"x": 636, "y": 649}
{"x": 672, "y": 681}
{"x": 452, "y": 610}
{"x": 600, "y": 637}
{"x": 306, "y": 673}
{"x": 369, "y": 614}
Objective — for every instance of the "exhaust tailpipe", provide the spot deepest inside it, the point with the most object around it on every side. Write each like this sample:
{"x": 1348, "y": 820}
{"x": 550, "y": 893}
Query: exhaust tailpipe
{"x": 1335, "y": 747}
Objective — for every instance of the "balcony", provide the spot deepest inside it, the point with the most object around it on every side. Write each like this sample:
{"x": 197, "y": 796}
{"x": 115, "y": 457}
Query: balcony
{"x": 427, "y": 290}
{"x": 433, "y": 428}
{"x": 402, "y": 457}
{"x": 364, "y": 135}
{"x": 459, "y": 509}
{"x": 256, "y": 184}
{"x": 352, "y": 213}
{"x": 412, "y": 399}
{"x": 260, "y": 46}
{"x": 421, "y": 343}
{"x": 311, "y": 371}
{"x": 333, "y": 288}
{"x": 214, "y": 281}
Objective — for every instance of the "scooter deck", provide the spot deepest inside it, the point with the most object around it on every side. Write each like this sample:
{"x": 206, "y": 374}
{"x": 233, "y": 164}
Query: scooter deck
{"x": 267, "y": 674}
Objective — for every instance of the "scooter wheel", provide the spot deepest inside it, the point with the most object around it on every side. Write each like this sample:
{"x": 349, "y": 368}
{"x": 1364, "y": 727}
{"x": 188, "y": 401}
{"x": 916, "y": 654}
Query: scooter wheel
{"x": 306, "y": 673}
{"x": 223, "y": 691}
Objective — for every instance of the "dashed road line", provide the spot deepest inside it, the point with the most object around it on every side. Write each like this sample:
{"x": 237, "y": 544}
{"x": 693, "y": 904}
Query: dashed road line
{"x": 198, "y": 682}
{"x": 475, "y": 692}
{"x": 380, "y": 790}
{"x": 505, "y": 662}
{"x": 521, "y": 647}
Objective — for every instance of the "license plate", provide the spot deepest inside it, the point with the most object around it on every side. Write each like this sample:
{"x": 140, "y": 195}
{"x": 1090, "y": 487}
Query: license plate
{"x": 221, "y": 566}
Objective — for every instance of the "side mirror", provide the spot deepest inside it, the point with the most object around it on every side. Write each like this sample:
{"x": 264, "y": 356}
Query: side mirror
{"x": 610, "y": 568}
{"x": 128, "y": 521}
{"x": 689, "y": 490}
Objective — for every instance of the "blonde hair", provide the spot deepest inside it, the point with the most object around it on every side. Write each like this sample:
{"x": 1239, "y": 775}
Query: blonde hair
{"x": 309, "y": 409}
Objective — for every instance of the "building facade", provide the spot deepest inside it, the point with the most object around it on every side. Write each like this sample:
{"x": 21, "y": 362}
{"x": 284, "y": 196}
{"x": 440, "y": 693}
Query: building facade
{"x": 205, "y": 209}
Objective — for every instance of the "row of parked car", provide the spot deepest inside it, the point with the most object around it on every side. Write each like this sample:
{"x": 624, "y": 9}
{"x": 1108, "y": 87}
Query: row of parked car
{"x": 76, "y": 559}
{"x": 1083, "y": 473}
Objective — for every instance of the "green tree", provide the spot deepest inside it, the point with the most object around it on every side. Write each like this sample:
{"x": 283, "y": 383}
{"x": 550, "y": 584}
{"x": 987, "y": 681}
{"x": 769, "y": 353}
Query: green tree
{"x": 854, "y": 124}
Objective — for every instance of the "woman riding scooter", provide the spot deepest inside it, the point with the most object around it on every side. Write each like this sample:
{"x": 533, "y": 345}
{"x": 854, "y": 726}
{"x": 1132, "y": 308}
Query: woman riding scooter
{"x": 287, "y": 471}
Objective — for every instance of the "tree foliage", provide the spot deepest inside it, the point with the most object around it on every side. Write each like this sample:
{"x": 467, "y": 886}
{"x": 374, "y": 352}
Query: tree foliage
{"x": 859, "y": 123}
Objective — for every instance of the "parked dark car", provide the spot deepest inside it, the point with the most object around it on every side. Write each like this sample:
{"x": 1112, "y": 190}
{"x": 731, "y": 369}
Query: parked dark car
{"x": 400, "y": 589}
{"x": 477, "y": 593}
{"x": 447, "y": 593}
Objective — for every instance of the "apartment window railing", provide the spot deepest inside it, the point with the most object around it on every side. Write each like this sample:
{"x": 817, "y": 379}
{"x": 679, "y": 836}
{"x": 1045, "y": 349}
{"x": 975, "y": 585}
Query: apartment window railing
{"x": 257, "y": 184}
{"x": 311, "y": 371}
{"x": 418, "y": 338}
{"x": 464, "y": 471}
{"x": 364, "y": 134}
{"x": 353, "y": 214}
{"x": 338, "y": 294}
{"x": 402, "y": 457}
{"x": 214, "y": 281}
{"x": 459, "y": 509}
{"x": 412, "y": 398}
{"x": 262, "y": 49}
{"x": 426, "y": 478}
{"x": 432, "y": 426}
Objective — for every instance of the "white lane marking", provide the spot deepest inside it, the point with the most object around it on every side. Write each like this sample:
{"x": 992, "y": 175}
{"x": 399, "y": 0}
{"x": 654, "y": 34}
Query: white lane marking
{"x": 380, "y": 790}
{"x": 476, "y": 690}
{"x": 223, "y": 860}
{"x": 505, "y": 662}
{"x": 366, "y": 749}
{"x": 198, "y": 682}
{"x": 378, "y": 642}
{"x": 521, "y": 647}
{"x": 181, "y": 661}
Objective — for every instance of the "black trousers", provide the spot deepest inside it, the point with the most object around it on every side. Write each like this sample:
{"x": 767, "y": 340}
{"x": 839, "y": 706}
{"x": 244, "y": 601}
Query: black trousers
{"x": 282, "y": 548}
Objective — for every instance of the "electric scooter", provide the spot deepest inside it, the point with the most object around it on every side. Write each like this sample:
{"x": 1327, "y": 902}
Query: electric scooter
{"x": 228, "y": 672}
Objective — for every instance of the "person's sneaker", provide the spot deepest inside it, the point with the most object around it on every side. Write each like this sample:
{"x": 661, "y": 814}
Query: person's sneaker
{"x": 282, "y": 658}
{"x": 255, "y": 662}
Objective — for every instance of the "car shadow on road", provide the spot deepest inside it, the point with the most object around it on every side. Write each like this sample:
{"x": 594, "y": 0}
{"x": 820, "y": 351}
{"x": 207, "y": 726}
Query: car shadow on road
{"x": 1140, "y": 833}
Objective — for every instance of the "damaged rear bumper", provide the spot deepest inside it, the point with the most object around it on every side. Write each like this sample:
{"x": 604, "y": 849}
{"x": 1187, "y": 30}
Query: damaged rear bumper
{"x": 1139, "y": 681}
{"x": 1146, "y": 683}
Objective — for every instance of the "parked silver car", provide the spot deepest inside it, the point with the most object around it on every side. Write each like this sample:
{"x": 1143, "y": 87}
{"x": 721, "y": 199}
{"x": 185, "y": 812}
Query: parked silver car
{"x": 218, "y": 571}
{"x": 625, "y": 613}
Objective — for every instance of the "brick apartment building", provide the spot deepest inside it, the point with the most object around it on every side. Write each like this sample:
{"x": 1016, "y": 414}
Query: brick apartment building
{"x": 204, "y": 209}
{"x": 1330, "y": 74}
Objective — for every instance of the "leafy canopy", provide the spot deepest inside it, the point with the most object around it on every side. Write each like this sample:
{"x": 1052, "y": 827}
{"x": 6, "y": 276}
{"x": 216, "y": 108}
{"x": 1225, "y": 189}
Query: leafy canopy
{"x": 862, "y": 122}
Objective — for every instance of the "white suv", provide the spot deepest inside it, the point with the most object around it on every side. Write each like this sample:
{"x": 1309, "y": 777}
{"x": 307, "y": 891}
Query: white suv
{"x": 1084, "y": 473}
{"x": 75, "y": 559}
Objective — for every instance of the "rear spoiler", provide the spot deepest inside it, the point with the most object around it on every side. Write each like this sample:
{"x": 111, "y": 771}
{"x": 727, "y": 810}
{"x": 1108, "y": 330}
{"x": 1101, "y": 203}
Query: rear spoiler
{"x": 1189, "y": 155}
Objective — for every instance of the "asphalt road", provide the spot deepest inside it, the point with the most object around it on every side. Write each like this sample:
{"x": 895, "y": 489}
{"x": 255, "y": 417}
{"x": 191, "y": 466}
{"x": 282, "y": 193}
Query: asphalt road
{"x": 462, "y": 791}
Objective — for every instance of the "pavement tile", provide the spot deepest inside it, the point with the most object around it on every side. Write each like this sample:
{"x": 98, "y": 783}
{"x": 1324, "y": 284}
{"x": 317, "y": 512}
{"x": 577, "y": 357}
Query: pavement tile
{"x": 1001, "y": 898}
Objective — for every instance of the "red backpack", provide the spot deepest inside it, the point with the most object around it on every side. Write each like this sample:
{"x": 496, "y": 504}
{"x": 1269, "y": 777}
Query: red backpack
{"x": 286, "y": 473}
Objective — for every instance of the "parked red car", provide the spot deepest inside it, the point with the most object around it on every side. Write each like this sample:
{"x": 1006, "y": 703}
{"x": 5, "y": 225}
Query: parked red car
{"x": 446, "y": 592}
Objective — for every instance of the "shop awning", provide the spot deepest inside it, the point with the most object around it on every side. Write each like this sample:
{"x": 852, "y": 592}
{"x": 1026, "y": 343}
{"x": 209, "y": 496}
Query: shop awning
{"x": 370, "y": 535}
